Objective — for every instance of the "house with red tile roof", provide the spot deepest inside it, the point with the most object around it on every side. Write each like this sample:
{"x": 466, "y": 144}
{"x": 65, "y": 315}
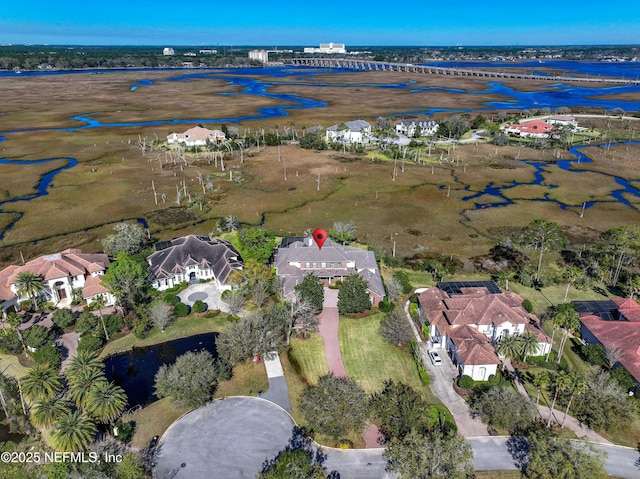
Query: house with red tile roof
{"x": 531, "y": 129}
{"x": 197, "y": 136}
{"x": 615, "y": 325}
{"x": 296, "y": 257}
{"x": 62, "y": 272}
{"x": 193, "y": 258}
{"x": 471, "y": 321}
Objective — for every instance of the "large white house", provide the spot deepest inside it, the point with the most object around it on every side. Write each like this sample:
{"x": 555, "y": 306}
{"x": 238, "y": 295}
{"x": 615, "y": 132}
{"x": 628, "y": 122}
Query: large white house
{"x": 468, "y": 319}
{"x": 62, "y": 272}
{"x": 409, "y": 127}
{"x": 357, "y": 131}
{"x": 197, "y": 136}
{"x": 191, "y": 259}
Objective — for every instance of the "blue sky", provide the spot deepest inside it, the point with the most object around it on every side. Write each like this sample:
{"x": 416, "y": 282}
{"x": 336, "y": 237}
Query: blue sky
{"x": 373, "y": 22}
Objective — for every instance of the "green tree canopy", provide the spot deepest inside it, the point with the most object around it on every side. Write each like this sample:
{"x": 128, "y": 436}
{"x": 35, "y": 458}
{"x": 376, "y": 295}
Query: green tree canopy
{"x": 257, "y": 244}
{"x": 551, "y": 457}
{"x": 312, "y": 290}
{"x": 73, "y": 432}
{"x": 126, "y": 279}
{"x": 398, "y": 409}
{"x": 430, "y": 455}
{"x": 504, "y": 408}
{"x": 334, "y": 406}
{"x": 190, "y": 381}
{"x": 353, "y": 296}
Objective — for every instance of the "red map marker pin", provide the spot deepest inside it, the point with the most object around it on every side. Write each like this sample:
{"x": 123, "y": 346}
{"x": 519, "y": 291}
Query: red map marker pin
{"x": 320, "y": 236}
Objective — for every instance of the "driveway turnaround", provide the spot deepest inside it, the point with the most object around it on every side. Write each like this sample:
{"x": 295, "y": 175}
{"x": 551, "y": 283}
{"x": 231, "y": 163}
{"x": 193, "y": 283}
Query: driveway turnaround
{"x": 209, "y": 293}
{"x": 226, "y": 439}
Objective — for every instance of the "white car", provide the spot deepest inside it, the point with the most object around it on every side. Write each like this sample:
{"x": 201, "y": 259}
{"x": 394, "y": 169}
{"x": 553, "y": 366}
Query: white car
{"x": 435, "y": 357}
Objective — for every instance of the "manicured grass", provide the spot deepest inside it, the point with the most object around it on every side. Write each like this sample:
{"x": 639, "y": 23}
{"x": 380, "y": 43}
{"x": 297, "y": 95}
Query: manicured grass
{"x": 542, "y": 298}
{"x": 10, "y": 365}
{"x": 152, "y": 420}
{"x": 181, "y": 328}
{"x": 370, "y": 360}
{"x": 303, "y": 365}
{"x": 248, "y": 379}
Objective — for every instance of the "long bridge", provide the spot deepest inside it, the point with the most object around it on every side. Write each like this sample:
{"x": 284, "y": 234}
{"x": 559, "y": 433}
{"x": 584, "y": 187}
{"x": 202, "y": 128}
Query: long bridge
{"x": 371, "y": 65}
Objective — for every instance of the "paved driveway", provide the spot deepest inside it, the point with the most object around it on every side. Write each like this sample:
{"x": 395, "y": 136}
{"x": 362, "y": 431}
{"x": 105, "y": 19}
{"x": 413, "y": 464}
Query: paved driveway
{"x": 209, "y": 293}
{"x": 442, "y": 386}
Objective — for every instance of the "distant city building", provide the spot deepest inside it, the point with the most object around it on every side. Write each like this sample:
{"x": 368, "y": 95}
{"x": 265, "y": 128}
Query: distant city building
{"x": 259, "y": 55}
{"x": 168, "y": 51}
{"x": 208, "y": 52}
{"x": 327, "y": 48}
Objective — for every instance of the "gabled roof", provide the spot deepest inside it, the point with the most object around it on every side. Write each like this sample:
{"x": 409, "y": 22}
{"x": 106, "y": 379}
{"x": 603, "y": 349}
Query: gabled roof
{"x": 70, "y": 262}
{"x": 621, "y": 335}
{"x": 474, "y": 306}
{"x": 305, "y": 251}
{"x": 194, "y": 250}
{"x": 92, "y": 286}
{"x": 473, "y": 348}
{"x": 355, "y": 125}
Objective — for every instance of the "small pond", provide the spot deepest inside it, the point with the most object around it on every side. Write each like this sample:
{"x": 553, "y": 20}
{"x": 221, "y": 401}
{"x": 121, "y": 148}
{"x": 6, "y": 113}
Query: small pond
{"x": 135, "y": 370}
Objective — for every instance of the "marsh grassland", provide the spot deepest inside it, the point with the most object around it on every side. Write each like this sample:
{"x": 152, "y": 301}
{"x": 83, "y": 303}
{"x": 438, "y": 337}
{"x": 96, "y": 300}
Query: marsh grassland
{"x": 98, "y": 120}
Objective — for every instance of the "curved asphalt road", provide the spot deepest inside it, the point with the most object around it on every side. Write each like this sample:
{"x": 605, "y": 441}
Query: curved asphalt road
{"x": 231, "y": 438}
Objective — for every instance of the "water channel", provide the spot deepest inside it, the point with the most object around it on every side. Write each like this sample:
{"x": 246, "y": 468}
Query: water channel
{"x": 555, "y": 96}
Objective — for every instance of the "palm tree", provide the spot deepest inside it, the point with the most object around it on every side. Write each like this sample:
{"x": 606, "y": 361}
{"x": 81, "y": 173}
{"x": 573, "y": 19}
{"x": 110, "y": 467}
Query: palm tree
{"x": 41, "y": 382}
{"x": 541, "y": 381}
{"x": 560, "y": 381}
{"x": 509, "y": 346}
{"x": 47, "y": 411}
{"x": 578, "y": 386}
{"x": 569, "y": 320}
{"x": 31, "y": 284}
{"x": 73, "y": 432}
{"x": 106, "y": 401}
{"x": 82, "y": 384}
{"x": 100, "y": 303}
{"x": 572, "y": 274}
{"x": 14, "y": 320}
{"x": 528, "y": 344}
{"x": 82, "y": 362}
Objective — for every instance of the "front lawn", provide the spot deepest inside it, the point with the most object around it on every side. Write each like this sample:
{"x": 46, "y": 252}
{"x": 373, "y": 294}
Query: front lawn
{"x": 370, "y": 360}
{"x": 152, "y": 420}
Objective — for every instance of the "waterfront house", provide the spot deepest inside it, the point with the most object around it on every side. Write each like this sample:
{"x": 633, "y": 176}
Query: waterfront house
{"x": 423, "y": 127}
{"x": 357, "y": 131}
{"x": 452, "y": 310}
{"x": 197, "y": 136}
{"x": 63, "y": 273}
{"x": 191, "y": 259}
{"x": 296, "y": 257}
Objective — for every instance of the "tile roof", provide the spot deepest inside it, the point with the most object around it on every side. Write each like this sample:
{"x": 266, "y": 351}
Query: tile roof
{"x": 217, "y": 254}
{"x": 475, "y": 306}
{"x": 621, "y": 335}
{"x": 92, "y": 286}
{"x": 472, "y": 347}
{"x": 70, "y": 262}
